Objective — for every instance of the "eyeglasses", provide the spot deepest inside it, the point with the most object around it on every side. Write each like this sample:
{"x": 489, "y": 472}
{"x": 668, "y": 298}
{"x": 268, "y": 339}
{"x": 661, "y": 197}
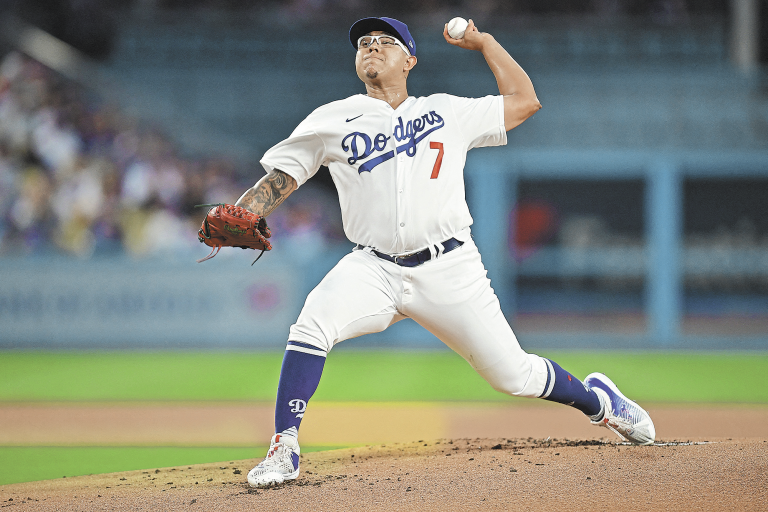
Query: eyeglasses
{"x": 384, "y": 41}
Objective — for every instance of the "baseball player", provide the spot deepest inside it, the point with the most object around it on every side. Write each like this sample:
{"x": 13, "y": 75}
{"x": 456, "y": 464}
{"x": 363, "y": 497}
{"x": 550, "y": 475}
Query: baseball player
{"x": 398, "y": 162}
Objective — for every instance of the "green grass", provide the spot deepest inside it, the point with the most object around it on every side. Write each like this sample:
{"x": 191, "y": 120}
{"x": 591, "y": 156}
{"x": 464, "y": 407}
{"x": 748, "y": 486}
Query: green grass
{"x": 32, "y": 463}
{"x": 99, "y": 376}
{"x": 361, "y": 376}
{"x": 651, "y": 377}
{"x": 354, "y": 376}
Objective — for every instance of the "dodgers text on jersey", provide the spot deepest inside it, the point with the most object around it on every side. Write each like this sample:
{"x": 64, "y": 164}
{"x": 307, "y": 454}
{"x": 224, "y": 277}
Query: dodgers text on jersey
{"x": 413, "y": 132}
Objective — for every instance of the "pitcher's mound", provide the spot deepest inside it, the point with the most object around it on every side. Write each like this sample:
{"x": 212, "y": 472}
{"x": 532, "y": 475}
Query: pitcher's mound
{"x": 448, "y": 474}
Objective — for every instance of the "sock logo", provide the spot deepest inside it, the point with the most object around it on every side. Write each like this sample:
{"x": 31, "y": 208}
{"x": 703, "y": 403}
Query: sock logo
{"x": 298, "y": 406}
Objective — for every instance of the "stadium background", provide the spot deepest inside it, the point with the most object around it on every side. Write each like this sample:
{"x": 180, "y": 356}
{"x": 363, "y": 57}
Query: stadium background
{"x": 628, "y": 214}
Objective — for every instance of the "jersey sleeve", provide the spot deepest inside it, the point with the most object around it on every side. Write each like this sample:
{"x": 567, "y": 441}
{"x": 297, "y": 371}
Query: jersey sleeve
{"x": 481, "y": 120}
{"x": 299, "y": 156}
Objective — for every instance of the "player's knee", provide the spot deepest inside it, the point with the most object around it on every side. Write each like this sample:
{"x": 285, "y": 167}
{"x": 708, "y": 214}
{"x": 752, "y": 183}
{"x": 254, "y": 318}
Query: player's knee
{"x": 508, "y": 376}
{"x": 509, "y": 386}
{"x": 310, "y": 334}
{"x": 307, "y": 348}
{"x": 525, "y": 378}
{"x": 314, "y": 325}
{"x": 537, "y": 378}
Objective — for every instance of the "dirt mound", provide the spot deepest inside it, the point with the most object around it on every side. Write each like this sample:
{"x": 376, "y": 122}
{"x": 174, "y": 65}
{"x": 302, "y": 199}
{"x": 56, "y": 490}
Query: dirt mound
{"x": 457, "y": 474}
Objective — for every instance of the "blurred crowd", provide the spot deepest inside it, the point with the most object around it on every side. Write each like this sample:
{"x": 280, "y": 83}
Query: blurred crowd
{"x": 80, "y": 177}
{"x": 651, "y": 8}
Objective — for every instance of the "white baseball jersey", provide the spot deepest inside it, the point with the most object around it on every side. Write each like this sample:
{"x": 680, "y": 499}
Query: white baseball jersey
{"x": 399, "y": 172}
{"x": 400, "y": 177}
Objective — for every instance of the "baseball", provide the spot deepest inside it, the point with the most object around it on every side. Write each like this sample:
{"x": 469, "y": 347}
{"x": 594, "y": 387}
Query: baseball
{"x": 456, "y": 27}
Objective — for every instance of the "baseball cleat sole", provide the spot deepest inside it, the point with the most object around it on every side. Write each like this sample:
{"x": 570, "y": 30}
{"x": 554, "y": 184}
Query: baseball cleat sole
{"x": 271, "y": 478}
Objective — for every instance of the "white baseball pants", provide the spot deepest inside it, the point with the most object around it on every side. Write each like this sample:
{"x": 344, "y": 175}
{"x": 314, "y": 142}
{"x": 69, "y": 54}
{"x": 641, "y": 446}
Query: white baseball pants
{"x": 450, "y": 296}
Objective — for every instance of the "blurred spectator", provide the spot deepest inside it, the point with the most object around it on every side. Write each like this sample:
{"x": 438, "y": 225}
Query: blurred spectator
{"x": 78, "y": 177}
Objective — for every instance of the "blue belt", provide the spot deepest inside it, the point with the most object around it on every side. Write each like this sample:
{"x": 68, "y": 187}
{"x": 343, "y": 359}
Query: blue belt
{"x": 417, "y": 258}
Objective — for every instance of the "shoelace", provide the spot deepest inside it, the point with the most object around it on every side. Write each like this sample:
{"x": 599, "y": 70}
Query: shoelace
{"x": 614, "y": 430}
{"x": 275, "y": 455}
{"x": 626, "y": 419}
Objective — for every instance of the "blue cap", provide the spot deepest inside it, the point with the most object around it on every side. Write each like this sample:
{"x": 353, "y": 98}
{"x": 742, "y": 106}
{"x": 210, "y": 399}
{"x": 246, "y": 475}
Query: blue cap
{"x": 389, "y": 25}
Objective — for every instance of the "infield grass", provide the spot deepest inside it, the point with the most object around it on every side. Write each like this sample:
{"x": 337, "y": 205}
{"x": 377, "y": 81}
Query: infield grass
{"x": 32, "y": 463}
{"x": 361, "y": 376}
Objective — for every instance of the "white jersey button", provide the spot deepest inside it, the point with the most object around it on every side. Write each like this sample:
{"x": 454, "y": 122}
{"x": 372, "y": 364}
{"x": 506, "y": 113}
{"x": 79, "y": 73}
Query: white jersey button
{"x": 402, "y": 224}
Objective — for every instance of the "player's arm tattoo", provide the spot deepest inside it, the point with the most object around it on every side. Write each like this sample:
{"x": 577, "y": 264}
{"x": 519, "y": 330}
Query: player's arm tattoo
{"x": 268, "y": 193}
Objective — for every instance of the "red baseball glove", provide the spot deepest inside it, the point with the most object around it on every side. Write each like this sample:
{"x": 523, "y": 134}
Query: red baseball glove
{"x": 227, "y": 225}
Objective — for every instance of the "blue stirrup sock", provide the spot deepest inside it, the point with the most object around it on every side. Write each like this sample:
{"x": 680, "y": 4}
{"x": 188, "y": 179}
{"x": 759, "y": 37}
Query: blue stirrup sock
{"x": 568, "y": 390}
{"x": 299, "y": 377}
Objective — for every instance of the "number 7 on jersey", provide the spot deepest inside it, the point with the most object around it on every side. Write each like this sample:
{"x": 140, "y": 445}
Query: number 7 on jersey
{"x": 439, "y": 161}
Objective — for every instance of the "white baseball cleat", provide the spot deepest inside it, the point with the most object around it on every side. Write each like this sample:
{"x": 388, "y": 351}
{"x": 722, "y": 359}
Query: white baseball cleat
{"x": 280, "y": 464}
{"x": 620, "y": 414}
